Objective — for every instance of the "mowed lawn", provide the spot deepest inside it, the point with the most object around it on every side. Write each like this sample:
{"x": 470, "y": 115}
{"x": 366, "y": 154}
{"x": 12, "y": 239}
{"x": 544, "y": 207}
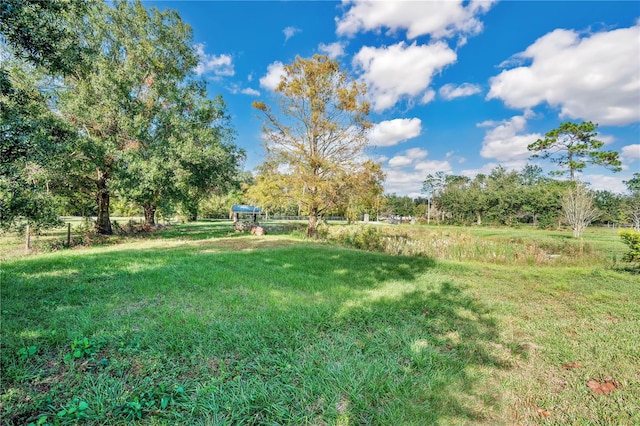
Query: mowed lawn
{"x": 197, "y": 325}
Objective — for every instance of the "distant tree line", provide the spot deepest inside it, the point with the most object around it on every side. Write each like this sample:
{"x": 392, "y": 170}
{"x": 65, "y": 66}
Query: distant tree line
{"x": 509, "y": 198}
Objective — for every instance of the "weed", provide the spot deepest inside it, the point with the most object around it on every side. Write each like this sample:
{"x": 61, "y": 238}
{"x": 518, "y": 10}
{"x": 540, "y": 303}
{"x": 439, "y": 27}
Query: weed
{"x": 83, "y": 348}
{"x": 27, "y": 352}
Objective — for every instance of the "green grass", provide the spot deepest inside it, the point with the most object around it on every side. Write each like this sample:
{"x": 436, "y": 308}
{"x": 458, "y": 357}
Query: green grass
{"x": 198, "y": 325}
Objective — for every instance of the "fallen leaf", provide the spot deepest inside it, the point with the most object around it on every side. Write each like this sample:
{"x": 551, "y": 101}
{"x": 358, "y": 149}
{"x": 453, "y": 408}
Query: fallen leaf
{"x": 543, "y": 413}
{"x": 602, "y": 388}
{"x": 449, "y": 347}
{"x": 571, "y": 365}
{"x": 425, "y": 312}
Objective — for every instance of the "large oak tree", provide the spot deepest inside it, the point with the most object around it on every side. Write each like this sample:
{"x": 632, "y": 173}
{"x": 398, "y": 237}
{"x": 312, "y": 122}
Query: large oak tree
{"x": 141, "y": 55}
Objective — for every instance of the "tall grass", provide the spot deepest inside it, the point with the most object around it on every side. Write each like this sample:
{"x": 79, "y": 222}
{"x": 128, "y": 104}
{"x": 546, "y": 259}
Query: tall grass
{"x": 461, "y": 244}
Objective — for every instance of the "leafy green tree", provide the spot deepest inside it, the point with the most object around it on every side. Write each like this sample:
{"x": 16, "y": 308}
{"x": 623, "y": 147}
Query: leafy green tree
{"x": 208, "y": 161}
{"x": 45, "y": 32}
{"x": 40, "y": 42}
{"x": 31, "y": 140}
{"x": 633, "y": 201}
{"x": 318, "y": 134}
{"x": 573, "y": 146}
{"x": 185, "y": 150}
{"x": 400, "y": 205}
{"x": 432, "y": 186}
{"x": 504, "y": 196}
{"x": 612, "y": 207}
{"x": 136, "y": 51}
{"x": 453, "y": 201}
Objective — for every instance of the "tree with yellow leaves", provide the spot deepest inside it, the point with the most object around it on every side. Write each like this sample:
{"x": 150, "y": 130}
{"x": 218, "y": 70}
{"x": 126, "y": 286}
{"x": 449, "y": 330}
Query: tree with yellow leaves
{"x": 315, "y": 141}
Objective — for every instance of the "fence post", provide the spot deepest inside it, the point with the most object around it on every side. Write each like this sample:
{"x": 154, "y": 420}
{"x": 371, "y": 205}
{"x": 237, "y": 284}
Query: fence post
{"x": 28, "y": 238}
{"x": 68, "y": 234}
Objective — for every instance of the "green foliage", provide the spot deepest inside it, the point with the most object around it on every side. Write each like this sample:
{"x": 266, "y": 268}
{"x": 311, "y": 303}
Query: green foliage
{"x": 500, "y": 198}
{"x": 33, "y": 139}
{"x": 27, "y": 352}
{"x": 632, "y": 239}
{"x": 633, "y": 184}
{"x": 45, "y": 32}
{"x": 83, "y": 348}
{"x": 363, "y": 237}
{"x": 32, "y": 143}
{"x": 76, "y": 410}
{"x": 158, "y": 397}
{"x": 573, "y": 146}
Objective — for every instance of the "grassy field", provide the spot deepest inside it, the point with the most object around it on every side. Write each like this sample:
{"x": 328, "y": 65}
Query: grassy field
{"x": 198, "y": 325}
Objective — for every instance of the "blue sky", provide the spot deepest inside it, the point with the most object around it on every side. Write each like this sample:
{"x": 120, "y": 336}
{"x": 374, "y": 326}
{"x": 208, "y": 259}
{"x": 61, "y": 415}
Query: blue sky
{"x": 460, "y": 87}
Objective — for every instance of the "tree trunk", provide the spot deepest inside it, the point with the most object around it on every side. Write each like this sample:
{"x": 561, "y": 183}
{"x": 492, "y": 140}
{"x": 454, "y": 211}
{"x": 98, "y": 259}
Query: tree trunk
{"x": 149, "y": 214}
{"x": 103, "y": 223}
{"x": 478, "y": 219}
{"x": 312, "y": 229}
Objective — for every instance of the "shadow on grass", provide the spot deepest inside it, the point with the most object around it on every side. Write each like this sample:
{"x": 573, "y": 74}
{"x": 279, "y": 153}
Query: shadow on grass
{"x": 305, "y": 334}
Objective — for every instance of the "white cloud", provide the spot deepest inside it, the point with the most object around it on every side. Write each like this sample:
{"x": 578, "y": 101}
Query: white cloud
{"x": 249, "y": 91}
{"x": 439, "y": 19}
{"x": 400, "y": 161}
{"x": 410, "y": 157}
{"x": 606, "y": 139}
{"x": 631, "y": 153}
{"x": 409, "y": 182}
{"x": 403, "y": 182}
{"x": 605, "y": 183}
{"x": 221, "y": 66}
{"x": 594, "y": 78}
{"x": 406, "y": 171}
{"x": 451, "y": 91}
{"x": 505, "y": 142}
{"x": 333, "y": 50}
{"x": 397, "y": 71}
{"x": 392, "y": 132}
{"x": 433, "y": 166}
{"x": 416, "y": 153}
{"x": 290, "y": 32}
{"x": 274, "y": 73}
{"x": 379, "y": 158}
{"x": 429, "y": 95}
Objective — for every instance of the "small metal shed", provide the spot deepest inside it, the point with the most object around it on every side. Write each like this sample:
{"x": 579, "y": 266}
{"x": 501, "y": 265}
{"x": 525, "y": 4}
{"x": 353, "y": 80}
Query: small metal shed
{"x": 238, "y": 209}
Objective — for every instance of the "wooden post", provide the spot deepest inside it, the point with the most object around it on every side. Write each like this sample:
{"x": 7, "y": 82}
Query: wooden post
{"x": 28, "y": 242}
{"x": 68, "y": 234}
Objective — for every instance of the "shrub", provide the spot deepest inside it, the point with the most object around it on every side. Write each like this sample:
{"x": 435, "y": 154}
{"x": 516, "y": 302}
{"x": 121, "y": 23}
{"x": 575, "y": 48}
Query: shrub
{"x": 632, "y": 239}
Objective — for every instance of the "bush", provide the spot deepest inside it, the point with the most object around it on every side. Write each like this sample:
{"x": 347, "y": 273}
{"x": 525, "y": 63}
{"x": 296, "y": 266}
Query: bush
{"x": 632, "y": 239}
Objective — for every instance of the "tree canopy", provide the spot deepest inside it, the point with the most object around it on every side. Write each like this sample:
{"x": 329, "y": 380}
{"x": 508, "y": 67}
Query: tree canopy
{"x": 39, "y": 42}
{"x": 572, "y": 146}
{"x": 315, "y": 138}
